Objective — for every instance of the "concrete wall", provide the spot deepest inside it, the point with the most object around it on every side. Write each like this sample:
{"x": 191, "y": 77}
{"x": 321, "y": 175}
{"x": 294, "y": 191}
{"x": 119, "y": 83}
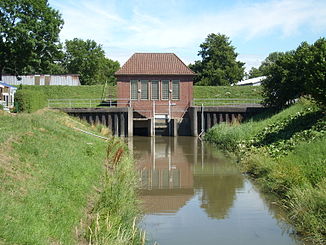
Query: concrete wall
{"x": 145, "y": 107}
{"x": 119, "y": 120}
{"x": 202, "y": 119}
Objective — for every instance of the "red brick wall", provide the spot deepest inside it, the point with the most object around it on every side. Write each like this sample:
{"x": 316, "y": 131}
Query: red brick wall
{"x": 145, "y": 107}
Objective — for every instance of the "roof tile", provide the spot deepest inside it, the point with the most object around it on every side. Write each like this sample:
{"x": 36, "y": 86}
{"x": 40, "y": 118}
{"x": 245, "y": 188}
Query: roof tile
{"x": 154, "y": 64}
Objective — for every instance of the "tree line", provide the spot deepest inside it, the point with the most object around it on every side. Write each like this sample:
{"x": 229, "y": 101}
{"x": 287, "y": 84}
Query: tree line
{"x": 29, "y": 44}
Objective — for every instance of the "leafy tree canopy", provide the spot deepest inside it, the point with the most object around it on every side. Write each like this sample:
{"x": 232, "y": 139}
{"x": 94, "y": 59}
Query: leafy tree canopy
{"x": 87, "y": 58}
{"x": 218, "y": 65}
{"x": 262, "y": 70}
{"x": 29, "y": 36}
{"x": 296, "y": 73}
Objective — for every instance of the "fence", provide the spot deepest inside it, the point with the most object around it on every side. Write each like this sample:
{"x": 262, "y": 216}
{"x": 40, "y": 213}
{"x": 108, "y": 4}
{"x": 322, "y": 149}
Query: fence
{"x": 83, "y": 103}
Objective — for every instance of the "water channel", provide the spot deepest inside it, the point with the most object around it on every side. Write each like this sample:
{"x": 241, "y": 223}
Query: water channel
{"x": 191, "y": 194}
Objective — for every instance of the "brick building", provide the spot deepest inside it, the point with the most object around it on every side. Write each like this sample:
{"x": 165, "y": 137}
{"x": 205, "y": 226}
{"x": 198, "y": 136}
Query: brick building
{"x": 157, "y": 84}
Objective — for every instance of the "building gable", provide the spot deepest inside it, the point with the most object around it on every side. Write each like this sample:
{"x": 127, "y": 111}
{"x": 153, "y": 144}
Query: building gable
{"x": 154, "y": 64}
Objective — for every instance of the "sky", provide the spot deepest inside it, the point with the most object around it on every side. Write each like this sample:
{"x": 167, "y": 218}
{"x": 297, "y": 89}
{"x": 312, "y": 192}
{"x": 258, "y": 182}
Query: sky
{"x": 255, "y": 27}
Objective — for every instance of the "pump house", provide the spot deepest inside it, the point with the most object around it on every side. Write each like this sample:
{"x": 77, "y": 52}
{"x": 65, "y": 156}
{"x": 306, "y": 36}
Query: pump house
{"x": 155, "y": 85}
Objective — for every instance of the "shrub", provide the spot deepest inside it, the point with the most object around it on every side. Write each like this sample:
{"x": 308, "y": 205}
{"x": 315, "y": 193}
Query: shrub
{"x": 29, "y": 101}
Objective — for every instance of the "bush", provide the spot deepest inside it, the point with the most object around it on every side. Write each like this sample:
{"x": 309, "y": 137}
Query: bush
{"x": 29, "y": 101}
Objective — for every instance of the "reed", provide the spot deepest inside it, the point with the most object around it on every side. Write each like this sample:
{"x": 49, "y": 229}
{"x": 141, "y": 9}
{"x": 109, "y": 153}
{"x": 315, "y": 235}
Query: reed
{"x": 115, "y": 215}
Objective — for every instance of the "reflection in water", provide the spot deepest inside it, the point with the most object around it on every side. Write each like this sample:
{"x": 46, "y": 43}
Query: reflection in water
{"x": 166, "y": 185}
{"x": 193, "y": 195}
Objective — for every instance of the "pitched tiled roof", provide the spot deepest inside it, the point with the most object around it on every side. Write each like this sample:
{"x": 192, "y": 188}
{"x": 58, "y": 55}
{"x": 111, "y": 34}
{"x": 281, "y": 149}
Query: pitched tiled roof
{"x": 154, "y": 64}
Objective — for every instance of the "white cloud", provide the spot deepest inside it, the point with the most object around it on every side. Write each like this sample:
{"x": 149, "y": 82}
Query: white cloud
{"x": 251, "y": 60}
{"x": 144, "y": 30}
{"x": 248, "y": 21}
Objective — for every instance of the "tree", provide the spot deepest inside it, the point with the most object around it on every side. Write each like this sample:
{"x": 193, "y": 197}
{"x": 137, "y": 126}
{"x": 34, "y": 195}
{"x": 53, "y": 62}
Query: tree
{"x": 262, "y": 70}
{"x": 87, "y": 59}
{"x": 296, "y": 73}
{"x": 312, "y": 69}
{"x": 218, "y": 65}
{"x": 29, "y": 36}
{"x": 281, "y": 86}
{"x": 254, "y": 72}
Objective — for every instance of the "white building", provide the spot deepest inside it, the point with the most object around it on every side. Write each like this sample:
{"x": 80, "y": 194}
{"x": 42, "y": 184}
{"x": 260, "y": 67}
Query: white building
{"x": 256, "y": 81}
{"x": 65, "y": 80}
{"x": 7, "y": 95}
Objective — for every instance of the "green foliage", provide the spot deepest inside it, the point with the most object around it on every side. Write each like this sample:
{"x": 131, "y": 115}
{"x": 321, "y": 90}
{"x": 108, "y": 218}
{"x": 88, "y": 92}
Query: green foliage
{"x": 281, "y": 87}
{"x": 263, "y": 69}
{"x": 29, "y": 36}
{"x": 87, "y": 59}
{"x": 29, "y": 101}
{"x": 218, "y": 65}
{"x": 282, "y": 136}
{"x": 296, "y": 73}
{"x": 254, "y": 72}
{"x": 313, "y": 70}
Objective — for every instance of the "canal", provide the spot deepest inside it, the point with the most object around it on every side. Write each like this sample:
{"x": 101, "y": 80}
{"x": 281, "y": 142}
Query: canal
{"x": 192, "y": 194}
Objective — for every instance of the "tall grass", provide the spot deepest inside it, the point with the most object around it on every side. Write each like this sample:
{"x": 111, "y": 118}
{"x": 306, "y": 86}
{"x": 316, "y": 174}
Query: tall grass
{"x": 114, "y": 216}
{"x": 285, "y": 153}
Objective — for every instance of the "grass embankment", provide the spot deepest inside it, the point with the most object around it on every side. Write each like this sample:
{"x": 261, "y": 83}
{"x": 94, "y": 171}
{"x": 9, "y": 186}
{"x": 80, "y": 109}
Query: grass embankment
{"x": 286, "y": 153}
{"x": 74, "y": 92}
{"x": 95, "y": 91}
{"x": 55, "y": 183}
{"x": 241, "y": 92}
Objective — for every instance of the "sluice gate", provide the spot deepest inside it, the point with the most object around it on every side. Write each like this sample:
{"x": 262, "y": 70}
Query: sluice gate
{"x": 196, "y": 121}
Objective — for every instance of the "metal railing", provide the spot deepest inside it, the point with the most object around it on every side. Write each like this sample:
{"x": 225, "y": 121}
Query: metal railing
{"x": 86, "y": 103}
{"x": 225, "y": 101}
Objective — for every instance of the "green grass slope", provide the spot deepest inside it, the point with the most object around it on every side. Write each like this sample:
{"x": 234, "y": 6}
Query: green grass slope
{"x": 95, "y": 91}
{"x": 51, "y": 175}
{"x": 241, "y": 92}
{"x": 74, "y": 92}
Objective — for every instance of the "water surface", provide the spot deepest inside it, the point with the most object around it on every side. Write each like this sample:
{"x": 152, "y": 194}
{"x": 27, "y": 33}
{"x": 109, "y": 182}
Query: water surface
{"x": 192, "y": 194}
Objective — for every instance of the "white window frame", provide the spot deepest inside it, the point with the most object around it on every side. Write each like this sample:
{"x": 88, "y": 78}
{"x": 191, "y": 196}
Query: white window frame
{"x": 179, "y": 91}
{"x": 168, "y": 91}
{"x": 141, "y": 89}
{"x": 158, "y": 89}
{"x": 137, "y": 83}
